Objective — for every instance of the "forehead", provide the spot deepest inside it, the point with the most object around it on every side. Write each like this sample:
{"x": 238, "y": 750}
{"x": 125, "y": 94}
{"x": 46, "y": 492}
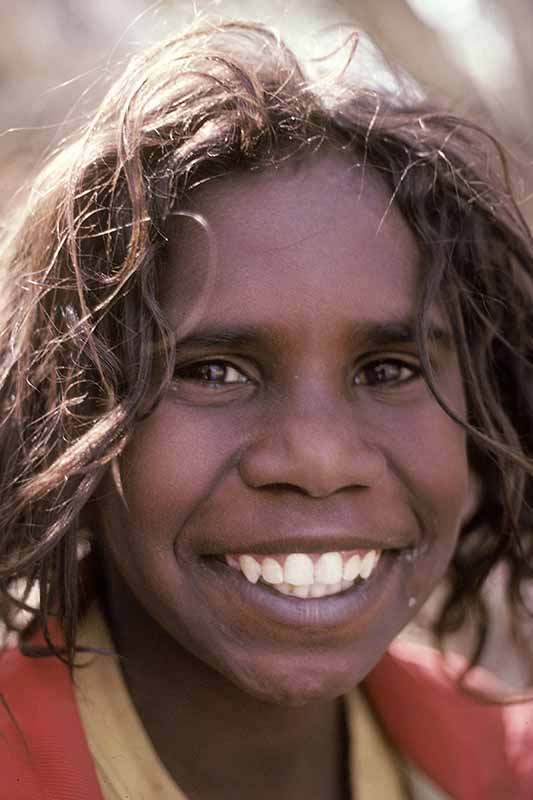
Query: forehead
{"x": 318, "y": 234}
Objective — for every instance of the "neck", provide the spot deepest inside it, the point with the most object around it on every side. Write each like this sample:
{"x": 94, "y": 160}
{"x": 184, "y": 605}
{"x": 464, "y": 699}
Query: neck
{"x": 214, "y": 739}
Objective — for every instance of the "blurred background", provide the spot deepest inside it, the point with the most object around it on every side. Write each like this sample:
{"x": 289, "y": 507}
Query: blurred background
{"x": 475, "y": 56}
{"x": 57, "y": 57}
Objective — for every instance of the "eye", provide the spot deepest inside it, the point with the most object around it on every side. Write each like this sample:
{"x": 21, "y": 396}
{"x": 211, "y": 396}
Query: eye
{"x": 211, "y": 373}
{"x": 387, "y": 372}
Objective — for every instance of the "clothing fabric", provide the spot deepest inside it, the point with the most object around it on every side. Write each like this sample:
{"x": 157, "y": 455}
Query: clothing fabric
{"x": 469, "y": 747}
{"x": 451, "y": 741}
{"x": 128, "y": 766}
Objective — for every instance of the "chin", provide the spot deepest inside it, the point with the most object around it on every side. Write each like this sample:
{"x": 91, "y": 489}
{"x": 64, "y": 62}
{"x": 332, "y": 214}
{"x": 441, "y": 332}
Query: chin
{"x": 313, "y": 678}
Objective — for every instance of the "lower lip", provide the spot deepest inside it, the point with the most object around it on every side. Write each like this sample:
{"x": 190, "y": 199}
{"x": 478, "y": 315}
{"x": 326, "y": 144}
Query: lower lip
{"x": 341, "y": 614}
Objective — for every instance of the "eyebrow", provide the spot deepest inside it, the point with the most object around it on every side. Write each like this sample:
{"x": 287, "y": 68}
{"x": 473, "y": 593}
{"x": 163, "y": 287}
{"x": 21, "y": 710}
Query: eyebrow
{"x": 373, "y": 332}
{"x": 223, "y": 336}
{"x": 403, "y": 332}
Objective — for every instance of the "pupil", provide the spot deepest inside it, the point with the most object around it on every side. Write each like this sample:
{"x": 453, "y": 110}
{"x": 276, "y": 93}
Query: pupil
{"x": 386, "y": 372}
{"x": 212, "y": 372}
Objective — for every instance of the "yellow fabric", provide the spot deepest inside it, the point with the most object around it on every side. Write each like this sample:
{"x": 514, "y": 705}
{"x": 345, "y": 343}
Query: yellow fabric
{"x": 128, "y": 767}
{"x": 372, "y": 760}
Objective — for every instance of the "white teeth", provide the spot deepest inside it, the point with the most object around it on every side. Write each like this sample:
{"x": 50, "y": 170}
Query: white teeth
{"x": 250, "y": 567}
{"x": 271, "y": 571}
{"x": 328, "y": 568}
{"x": 352, "y": 568}
{"x": 300, "y": 577}
{"x": 301, "y": 591}
{"x": 368, "y": 563}
{"x": 317, "y": 590}
{"x": 299, "y": 570}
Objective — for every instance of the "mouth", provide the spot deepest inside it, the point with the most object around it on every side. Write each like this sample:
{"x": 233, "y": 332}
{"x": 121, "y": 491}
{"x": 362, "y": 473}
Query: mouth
{"x": 306, "y": 576}
{"x": 289, "y": 591}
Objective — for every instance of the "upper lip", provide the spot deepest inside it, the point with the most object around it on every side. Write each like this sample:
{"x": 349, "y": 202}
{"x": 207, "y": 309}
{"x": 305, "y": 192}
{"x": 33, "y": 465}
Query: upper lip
{"x": 322, "y": 542}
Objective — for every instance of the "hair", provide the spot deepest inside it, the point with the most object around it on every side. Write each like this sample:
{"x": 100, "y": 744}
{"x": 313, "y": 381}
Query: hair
{"x": 81, "y": 326}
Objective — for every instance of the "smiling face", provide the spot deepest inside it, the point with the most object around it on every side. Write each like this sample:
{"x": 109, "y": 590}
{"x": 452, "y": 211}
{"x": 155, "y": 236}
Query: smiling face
{"x": 297, "y": 425}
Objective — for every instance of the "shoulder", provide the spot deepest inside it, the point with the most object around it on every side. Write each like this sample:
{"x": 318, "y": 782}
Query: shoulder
{"x": 43, "y": 752}
{"x": 469, "y": 746}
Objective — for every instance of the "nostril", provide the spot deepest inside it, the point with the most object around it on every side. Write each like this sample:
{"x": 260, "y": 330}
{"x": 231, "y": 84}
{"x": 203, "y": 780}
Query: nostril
{"x": 310, "y": 459}
{"x": 284, "y": 488}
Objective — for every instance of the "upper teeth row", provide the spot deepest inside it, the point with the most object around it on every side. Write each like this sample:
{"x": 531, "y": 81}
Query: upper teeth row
{"x": 300, "y": 569}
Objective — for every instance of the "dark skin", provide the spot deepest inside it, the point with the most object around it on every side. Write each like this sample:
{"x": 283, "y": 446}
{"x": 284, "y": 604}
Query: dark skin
{"x": 217, "y": 742}
{"x": 298, "y": 421}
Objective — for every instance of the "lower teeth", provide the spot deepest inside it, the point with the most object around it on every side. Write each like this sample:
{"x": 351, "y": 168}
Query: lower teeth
{"x": 316, "y": 590}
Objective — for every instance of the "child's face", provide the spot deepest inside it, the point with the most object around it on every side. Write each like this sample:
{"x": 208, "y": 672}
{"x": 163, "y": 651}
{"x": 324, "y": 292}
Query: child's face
{"x": 297, "y": 423}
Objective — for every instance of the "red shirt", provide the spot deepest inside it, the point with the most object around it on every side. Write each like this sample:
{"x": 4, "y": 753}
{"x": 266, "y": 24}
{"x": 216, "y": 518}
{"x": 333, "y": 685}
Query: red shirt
{"x": 473, "y": 750}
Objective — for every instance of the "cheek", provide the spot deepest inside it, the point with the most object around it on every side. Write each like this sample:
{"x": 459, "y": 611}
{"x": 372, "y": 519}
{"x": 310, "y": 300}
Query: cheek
{"x": 428, "y": 449}
{"x": 443, "y": 484}
{"x": 439, "y": 463}
{"x": 169, "y": 469}
{"x": 428, "y": 454}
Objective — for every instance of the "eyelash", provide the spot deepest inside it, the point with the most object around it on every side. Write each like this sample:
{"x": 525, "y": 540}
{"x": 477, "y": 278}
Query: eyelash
{"x": 187, "y": 373}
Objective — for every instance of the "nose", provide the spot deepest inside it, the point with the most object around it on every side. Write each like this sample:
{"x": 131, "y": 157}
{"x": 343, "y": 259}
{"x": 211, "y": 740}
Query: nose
{"x": 315, "y": 453}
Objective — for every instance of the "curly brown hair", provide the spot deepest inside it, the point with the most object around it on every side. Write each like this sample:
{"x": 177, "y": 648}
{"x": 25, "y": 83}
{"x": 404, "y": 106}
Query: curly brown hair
{"x": 80, "y": 323}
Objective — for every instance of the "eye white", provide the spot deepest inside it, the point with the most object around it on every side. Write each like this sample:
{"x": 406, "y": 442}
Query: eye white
{"x": 232, "y": 375}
